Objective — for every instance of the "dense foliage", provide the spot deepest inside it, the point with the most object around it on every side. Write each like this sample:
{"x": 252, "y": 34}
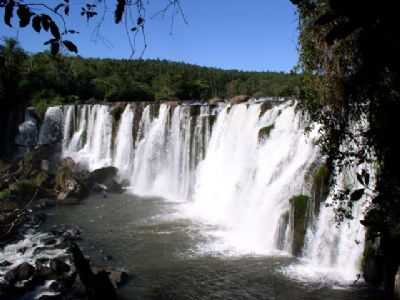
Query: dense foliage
{"x": 44, "y": 79}
{"x": 349, "y": 55}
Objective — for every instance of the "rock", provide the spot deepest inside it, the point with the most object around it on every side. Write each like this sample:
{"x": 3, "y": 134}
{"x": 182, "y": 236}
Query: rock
{"x": 103, "y": 175}
{"x": 45, "y": 203}
{"x": 104, "y": 179}
{"x": 239, "y": 99}
{"x": 49, "y": 241}
{"x": 22, "y": 250}
{"x": 320, "y": 186}
{"x": 397, "y": 285}
{"x": 69, "y": 186}
{"x": 265, "y": 106}
{"x": 215, "y": 100}
{"x": 372, "y": 263}
{"x": 298, "y": 207}
{"x": 59, "y": 267}
{"x": 55, "y": 286}
{"x": 23, "y": 190}
{"x": 45, "y": 165}
{"x": 40, "y": 250}
{"x": 117, "y": 111}
{"x": 69, "y": 163}
{"x": 98, "y": 286}
{"x": 5, "y": 263}
{"x": 172, "y": 103}
{"x": 43, "y": 272}
{"x": 28, "y": 132}
{"x": 51, "y": 131}
{"x": 22, "y": 272}
{"x": 50, "y": 297}
{"x": 264, "y": 133}
{"x": 118, "y": 278}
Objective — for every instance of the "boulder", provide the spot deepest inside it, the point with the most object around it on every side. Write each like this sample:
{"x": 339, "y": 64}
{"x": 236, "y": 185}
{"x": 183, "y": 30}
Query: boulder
{"x": 101, "y": 176}
{"x": 58, "y": 266}
{"x": 117, "y": 277}
{"x": 22, "y": 272}
{"x": 239, "y": 99}
{"x": 98, "y": 285}
{"x": 104, "y": 179}
{"x": 69, "y": 188}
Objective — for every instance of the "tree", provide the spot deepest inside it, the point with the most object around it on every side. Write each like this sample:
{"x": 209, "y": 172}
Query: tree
{"x": 349, "y": 55}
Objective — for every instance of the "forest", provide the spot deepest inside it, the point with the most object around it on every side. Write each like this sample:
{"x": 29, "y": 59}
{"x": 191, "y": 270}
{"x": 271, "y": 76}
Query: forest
{"x": 45, "y": 79}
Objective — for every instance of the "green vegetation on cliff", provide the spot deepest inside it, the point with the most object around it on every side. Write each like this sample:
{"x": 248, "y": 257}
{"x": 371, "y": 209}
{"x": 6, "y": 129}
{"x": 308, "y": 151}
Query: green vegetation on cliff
{"x": 44, "y": 79}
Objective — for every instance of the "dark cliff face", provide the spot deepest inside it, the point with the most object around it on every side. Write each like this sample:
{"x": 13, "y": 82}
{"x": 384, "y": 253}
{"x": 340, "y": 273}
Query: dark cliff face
{"x": 9, "y": 121}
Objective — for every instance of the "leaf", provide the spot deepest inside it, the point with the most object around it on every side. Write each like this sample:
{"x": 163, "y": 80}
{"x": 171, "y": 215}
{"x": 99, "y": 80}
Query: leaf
{"x": 54, "y": 30}
{"x": 24, "y": 15}
{"x": 119, "y": 11}
{"x": 46, "y": 20}
{"x": 140, "y": 21}
{"x": 36, "y": 23}
{"x": 340, "y": 32}
{"x": 356, "y": 195}
{"x": 325, "y": 19}
{"x": 8, "y": 12}
{"x": 55, "y": 47}
{"x": 49, "y": 41}
{"x": 66, "y": 10}
{"x": 70, "y": 46}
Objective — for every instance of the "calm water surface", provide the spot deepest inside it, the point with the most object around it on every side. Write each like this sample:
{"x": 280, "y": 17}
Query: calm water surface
{"x": 167, "y": 257}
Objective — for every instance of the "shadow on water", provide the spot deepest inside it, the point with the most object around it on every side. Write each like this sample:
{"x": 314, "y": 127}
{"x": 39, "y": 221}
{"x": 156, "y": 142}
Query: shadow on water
{"x": 159, "y": 248}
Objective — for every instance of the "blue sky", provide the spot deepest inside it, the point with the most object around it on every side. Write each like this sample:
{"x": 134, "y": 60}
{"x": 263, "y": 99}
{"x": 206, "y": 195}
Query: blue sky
{"x": 247, "y": 35}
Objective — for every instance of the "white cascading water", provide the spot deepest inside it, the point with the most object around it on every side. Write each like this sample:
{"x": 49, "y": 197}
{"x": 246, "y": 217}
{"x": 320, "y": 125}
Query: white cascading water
{"x": 51, "y": 131}
{"x": 124, "y": 145}
{"x": 213, "y": 160}
{"x": 333, "y": 250}
{"x": 90, "y": 145}
{"x": 244, "y": 185}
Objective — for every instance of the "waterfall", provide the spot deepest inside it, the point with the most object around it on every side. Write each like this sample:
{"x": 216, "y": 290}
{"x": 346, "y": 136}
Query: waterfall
{"x": 51, "y": 131}
{"x": 123, "y": 158}
{"x": 333, "y": 250}
{"x": 233, "y": 167}
{"x": 244, "y": 184}
{"x": 91, "y": 143}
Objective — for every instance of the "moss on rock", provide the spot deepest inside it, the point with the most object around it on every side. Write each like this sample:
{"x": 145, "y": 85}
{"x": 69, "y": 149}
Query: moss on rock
{"x": 320, "y": 185}
{"x": 264, "y": 132}
{"x": 298, "y": 206}
{"x": 5, "y": 195}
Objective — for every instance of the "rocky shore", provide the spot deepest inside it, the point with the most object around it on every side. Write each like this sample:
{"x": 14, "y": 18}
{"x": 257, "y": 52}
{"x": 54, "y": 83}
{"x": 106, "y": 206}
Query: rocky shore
{"x": 49, "y": 265}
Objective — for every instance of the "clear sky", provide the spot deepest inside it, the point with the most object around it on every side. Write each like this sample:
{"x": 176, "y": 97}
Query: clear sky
{"x": 230, "y": 34}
